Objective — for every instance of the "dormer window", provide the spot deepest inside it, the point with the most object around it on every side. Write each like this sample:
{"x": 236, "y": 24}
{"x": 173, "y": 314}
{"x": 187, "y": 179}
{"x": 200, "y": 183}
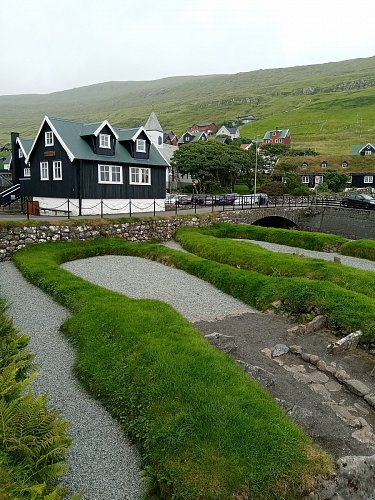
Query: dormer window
{"x": 105, "y": 141}
{"x": 344, "y": 164}
{"x": 324, "y": 164}
{"x": 20, "y": 154}
{"x": 305, "y": 164}
{"x": 140, "y": 146}
{"x": 187, "y": 138}
{"x": 48, "y": 138}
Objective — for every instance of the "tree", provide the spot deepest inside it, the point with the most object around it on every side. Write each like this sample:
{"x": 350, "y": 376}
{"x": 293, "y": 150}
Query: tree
{"x": 213, "y": 164}
{"x": 294, "y": 186}
{"x": 335, "y": 181}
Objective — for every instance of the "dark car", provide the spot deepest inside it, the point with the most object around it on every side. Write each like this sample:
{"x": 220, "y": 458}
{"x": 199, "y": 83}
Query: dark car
{"x": 201, "y": 199}
{"x": 358, "y": 200}
{"x": 226, "y": 199}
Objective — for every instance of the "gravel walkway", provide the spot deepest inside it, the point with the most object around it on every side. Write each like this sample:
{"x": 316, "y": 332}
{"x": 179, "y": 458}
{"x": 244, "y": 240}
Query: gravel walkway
{"x": 141, "y": 278}
{"x": 102, "y": 463}
{"x": 366, "y": 265}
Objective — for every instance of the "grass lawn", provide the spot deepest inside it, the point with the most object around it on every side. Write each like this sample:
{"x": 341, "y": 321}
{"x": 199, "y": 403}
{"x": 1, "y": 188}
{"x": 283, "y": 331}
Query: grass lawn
{"x": 204, "y": 428}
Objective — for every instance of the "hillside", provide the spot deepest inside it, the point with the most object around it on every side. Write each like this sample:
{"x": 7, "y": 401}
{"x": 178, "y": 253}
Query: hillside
{"x": 327, "y": 106}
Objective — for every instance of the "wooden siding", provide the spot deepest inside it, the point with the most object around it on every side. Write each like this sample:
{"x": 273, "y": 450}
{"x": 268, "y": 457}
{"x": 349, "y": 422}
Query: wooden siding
{"x": 33, "y": 186}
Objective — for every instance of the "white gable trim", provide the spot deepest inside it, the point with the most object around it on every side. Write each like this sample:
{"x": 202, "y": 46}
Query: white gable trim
{"x": 18, "y": 141}
{"x": 102, "y": 125}
{"x": 365, "y": 146}
{"x": 57, "y": 135}
{"x": 141, "y": 129}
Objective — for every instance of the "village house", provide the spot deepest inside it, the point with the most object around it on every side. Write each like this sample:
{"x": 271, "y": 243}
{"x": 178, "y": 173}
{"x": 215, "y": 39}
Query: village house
{"x": 208, "y": 128}
{"x": 90, "y": 168}
{"x": 232, "y": 132}
{"x": 277, "y": 136}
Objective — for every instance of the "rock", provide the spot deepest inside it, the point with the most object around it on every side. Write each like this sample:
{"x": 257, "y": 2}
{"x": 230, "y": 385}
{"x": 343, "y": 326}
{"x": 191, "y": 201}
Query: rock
{"x": 330, "y": 370}
{"x": 333, "y": 386}
{"x": 346, "y": 343}
{"x": 295, "y": 349}
{"x": 316, "y": 324}
{"x": 336, "y": 259}
{"x": 318, "y": 377}
{"x": 314, "y": 359}
{"x": 306, "y": 357}
{"x": 321, "y": 365}
{"x": 341, "y": 375}
{"x": 364, "y": 435}
{"x": 276, "y": 304}
{"x": 262, "y": 376}
{"x": 224, "y": 342}
{"x": 296, "y": 331}
{"x": 370, "y": 399}
{"x": 267, "y": 352}
{"x": 321, "y": 390}
{"x": 357, "y": 387}
{"x": 279, "y": 350}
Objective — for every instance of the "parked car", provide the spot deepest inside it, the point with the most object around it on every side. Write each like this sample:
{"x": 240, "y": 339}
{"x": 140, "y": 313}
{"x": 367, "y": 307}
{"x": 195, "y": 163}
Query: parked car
{"x": 202, "y": 199}
{"x": 226, "y": 199}
{"x": 358, "y": 200}
{"x": 252, "y": 199}
{"x": 183, "y": 200}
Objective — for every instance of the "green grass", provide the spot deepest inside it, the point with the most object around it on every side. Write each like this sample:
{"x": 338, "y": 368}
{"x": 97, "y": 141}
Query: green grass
{"x": 204, "y": 428}
{"x": 364, "y": 249}
{"x": 330, "y": 120}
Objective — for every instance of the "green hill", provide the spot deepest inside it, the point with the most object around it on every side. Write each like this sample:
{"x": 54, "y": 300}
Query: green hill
{"x": 326, "y": 106}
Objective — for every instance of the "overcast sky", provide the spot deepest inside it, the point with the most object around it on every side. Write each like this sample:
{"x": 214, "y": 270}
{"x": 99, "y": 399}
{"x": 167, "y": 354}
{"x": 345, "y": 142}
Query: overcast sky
{"x": 50, "y": 45}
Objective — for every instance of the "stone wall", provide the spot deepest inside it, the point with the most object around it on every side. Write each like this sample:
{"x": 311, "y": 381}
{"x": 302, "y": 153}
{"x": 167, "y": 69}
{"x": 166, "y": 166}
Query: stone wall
{"x": 352, "y": 224}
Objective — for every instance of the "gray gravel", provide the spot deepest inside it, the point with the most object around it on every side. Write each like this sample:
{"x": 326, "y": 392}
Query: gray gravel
{"x": 366, "y": 265}
{"x": 144, "y": 279}
{"x": 102, "y": 463}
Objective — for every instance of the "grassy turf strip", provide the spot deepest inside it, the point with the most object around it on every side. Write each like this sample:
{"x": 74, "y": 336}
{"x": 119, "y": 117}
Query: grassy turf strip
{"x": 250, "y": 256}
{"x": 364, "y": 249}
{"x": 205, "y": 429}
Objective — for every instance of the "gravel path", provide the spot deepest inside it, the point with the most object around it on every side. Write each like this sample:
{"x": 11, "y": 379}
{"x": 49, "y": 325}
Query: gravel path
{"x": 102, "y": 463}
{"x": 141, "y": 278}
{"x": 366, "y": 265}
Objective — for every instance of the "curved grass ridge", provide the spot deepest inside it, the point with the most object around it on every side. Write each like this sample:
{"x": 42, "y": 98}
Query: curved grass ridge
{"x": 204, "y": 428}
{"x": 246, "y": 255}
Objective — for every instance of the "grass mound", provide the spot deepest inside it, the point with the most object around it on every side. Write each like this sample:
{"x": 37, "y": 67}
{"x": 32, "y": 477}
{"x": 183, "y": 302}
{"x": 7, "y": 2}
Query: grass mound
{"x": 204, "y": 428}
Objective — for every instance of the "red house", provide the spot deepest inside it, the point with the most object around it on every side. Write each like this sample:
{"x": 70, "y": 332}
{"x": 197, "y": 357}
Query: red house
{"x": 209, "y": 128}
{"x": 277, "y": 136}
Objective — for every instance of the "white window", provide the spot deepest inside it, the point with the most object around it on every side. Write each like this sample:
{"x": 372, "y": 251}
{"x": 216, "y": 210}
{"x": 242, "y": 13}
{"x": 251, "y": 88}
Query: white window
{"x": 109, "y": 174}
{"x": 26, "y": 172}
{"x": 44, "y": 171}
{"x": 368, "y": 179}
{"x": 349, "y": 181}
{"x": 187, "y": 138}
{"x": 20, "y": 154}
{"x": 104, "y": 141}
{"x": 368, "y": 152}
{"x": 324, "y": 164}
{"x": 318, "y": 179}
{"x": 305, "y": 179}
{"x": 140, "y": 146}
{"x": 57, "y": 170}
{"x": 48, "y": 138}
{"x": 140, "y": 175}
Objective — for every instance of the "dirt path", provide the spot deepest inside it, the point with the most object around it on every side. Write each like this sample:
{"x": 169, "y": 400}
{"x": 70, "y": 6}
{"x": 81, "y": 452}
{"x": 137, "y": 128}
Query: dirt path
{"x": 322, "y": 407}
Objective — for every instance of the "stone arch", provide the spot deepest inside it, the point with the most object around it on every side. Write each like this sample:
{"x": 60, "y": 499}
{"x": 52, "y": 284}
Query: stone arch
{"x": 275, "y": 221}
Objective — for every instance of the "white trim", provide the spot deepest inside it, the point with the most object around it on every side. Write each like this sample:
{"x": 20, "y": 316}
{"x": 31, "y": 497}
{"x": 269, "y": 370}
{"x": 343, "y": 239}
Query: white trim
{"x": 139, "y": 183}
{"x": 368, "y": 179}
{"x": 54, "y": 176}
{"x": 108, "y": 138}
{"x": 49, "y": 139}
{"x": 26, "y": 172}
{"x": 110, "y": 172}
{"x": 305, "y": 179}
{"x": 364, "y": 147}
{"x": 102, "y": 125}
{"x": 48, "y": 121}
{"x": 41, "y": 167}
{"x": 18, "y": 141}
{"x": 138, "y": 144}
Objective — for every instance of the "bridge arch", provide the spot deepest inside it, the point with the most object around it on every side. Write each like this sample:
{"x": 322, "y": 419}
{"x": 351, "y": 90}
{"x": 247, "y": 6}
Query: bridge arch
{"x": 275, "y": 221}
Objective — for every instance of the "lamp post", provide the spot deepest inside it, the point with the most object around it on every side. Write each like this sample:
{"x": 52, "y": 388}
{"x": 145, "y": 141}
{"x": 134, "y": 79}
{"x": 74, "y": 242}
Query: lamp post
{"x": 256, "y": 165}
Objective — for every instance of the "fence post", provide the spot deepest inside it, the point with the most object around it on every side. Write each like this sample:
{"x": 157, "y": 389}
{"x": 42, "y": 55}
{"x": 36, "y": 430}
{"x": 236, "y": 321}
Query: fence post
{"x": 195, "y": 205}
{"x": 68, "y": 210}
{"x": 130, "y": 208}
{"x": 27, "y": 209}
{"x": 101, "y": 208}
{"x": 154, "y": 208}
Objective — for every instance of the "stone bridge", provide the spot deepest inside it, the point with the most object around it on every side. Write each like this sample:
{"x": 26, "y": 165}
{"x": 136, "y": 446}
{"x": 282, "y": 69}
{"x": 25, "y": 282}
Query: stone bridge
{"x": 347, "y": 222}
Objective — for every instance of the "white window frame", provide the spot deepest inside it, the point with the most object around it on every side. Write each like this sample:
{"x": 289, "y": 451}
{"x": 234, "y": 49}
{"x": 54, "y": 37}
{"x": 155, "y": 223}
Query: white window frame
{"x": 20, "y": 154}
{"x": 26, "y": 172}
{"x": 57, "y": 170}
{"x": 112, "y": 171}
{"x": 137, "y": 176}
{"x": 368, "y": 152}
{"x": 44, "y": 171}
{"x": 105, "y": 141}
{"x": 140, "y": 145}
{"x": 48, "y": 138}
{"x": 305, "y": 179}
{"x": 368, "y": 179}
{"x": 319, "y": 178}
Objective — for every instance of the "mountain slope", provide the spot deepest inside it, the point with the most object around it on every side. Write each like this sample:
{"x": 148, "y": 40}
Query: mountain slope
{"x": 328, "y": 105}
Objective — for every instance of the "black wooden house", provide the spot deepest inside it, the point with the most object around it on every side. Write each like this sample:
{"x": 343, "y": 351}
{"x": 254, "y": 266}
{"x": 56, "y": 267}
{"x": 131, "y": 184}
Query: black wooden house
{"x": 97, "y": 167}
